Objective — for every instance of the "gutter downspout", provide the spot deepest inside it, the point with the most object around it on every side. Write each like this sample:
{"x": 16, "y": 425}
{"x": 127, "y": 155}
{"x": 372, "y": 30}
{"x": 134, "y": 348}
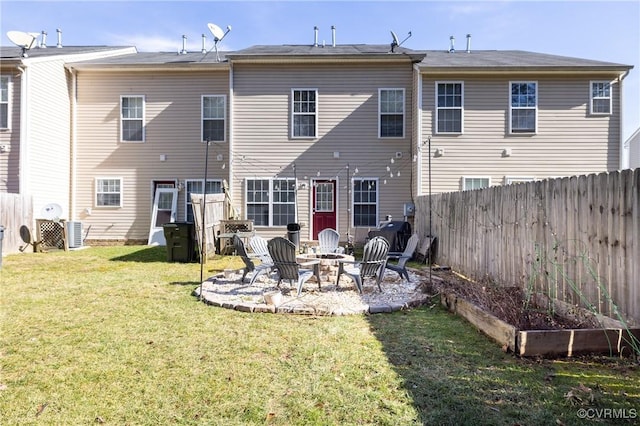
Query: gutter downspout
{"x": 230, "y": 154}
{"x": 74, "y": 144}
{"x": 624, "y": 150}
{"x": 24, "y": 132}
{"x": 418, "y": 138}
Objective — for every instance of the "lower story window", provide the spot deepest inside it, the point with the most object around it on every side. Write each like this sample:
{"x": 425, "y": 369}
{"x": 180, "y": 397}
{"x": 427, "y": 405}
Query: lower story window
{"x": 109, "y": 192}
{"x": 469, "y": 183}
{"x": 365, "y": 202}
{"x": 194, "y": 186}
{"x": 271, "y": 202}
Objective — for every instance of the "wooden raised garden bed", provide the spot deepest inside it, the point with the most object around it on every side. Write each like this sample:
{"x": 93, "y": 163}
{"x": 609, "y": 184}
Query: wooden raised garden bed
{"x": 612, "y": 338}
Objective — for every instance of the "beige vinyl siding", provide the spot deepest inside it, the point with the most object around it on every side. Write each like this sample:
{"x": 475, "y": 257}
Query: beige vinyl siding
{"x": 10, "y": 160}
{"x": 634, "y": 150}
{"x": 49, "y": 135}
{"x": 568, "y": 140}
{"x": 347, "y": 124}
{"x": 173, "y": 129}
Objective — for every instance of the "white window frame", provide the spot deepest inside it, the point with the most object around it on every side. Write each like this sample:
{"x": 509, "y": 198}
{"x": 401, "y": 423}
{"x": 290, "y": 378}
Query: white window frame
{"x": 534, "y": 108}
{"x": 380, "y": 113}
{"x": 466, "y": 178}
{"x": 592, "y": 97}
{"x": 187, "y": 198}
{"x": 296, "y": 114}
{"x": 142, "y": 119}
{"x": 224, "y": 118}
{"x": 461, "y": 107}
{"x": 508, "y": 180}
{"x": 7, "y": 101}
{"x": 98, "y": 192}
{"x": 271, "y": 202}
{"x": 354, "y": 204}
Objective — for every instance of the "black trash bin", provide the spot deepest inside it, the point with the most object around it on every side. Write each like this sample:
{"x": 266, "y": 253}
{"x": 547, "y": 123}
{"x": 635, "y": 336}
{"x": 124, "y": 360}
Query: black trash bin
{"x": 293, "y": 234}
{"x": 180, "y": 241}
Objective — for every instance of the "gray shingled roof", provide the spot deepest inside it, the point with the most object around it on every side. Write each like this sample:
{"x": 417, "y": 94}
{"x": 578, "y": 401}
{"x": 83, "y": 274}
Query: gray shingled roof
{"x": 308, "y": 51}
{"x": 159, "y": 58}
{"x": 509, "y": 59}
{"x": 427, "y": 60}
{"x": 13, "y": 52}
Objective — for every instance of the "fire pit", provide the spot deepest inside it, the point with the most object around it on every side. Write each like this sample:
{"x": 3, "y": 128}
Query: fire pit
{"x": 328, "y": 264}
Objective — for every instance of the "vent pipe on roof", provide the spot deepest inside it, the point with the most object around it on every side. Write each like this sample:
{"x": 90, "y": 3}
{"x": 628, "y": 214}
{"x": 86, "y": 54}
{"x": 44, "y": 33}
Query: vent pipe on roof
{"x": 315, "y": 36}
{"x": 452, "y": 41}
{"x": 468, "y": 43}
{"x": 43, "y": 42}
{"x": 184, "y": 45}
{"x": 204, "y": 44}
{"x": 59, "y": 31}
{"x": 333, "y": 35}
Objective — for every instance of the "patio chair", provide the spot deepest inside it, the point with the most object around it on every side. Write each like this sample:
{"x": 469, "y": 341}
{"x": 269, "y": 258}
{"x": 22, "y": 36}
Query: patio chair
{"x": 283, "y": 253}
{"x": 241, "y": 251}
{"x": 259, "y": 246}
{"x": 400, "y": 259}
{"x": 329, "y": 240}
{"x": 372, "y": 264}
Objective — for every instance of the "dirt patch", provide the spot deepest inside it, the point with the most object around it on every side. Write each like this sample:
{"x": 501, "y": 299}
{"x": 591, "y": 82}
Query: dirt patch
{"x": 510, "y": 304}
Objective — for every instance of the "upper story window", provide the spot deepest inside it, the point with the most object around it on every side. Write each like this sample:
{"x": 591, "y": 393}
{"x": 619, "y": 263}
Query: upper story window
{"x": 194, "y": 186}
{"x": 5, "y": 82}
{"x": 523, "y": 106}
{"x": 109, "y": 192}
{"x": 214, "y": 112}
{"x": 365, "y": 202}
{"x": 304, "y": 116}
{"x": 391, "y": 113}
{"x": 475, "y": 183}
{"x": 271, "y": 202}
{"x": 600, "y": 97}
{"x": 132, "y": 118}
{"x": 449, "y": 107}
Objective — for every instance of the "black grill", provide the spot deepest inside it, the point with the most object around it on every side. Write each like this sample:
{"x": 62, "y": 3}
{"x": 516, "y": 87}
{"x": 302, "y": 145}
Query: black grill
{"x": 396, "y": 232}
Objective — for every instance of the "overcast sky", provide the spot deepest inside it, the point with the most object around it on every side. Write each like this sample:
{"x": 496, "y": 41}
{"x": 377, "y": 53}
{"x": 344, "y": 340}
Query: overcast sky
{"x": 600, "y": 30}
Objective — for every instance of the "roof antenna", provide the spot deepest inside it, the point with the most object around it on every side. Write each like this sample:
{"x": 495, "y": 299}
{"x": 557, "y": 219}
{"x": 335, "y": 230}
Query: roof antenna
{"x": 218, "y": 35}
{"x": 23, "y": 40}
{"x": 395, "y": 43}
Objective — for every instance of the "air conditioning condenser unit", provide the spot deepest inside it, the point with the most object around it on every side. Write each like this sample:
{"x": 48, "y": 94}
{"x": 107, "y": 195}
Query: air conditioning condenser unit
{"x": 74, "y": 234}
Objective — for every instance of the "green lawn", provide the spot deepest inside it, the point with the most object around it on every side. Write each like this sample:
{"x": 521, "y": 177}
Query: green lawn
{"x": 113, "y": 335}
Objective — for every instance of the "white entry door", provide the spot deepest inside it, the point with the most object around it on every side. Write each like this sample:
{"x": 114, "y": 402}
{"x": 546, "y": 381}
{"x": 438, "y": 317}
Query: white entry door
{"x": 165, "y": 207}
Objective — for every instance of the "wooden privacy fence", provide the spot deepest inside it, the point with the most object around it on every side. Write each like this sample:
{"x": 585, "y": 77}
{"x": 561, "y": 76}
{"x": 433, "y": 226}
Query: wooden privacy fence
{"x": 15, "y": 211}
{"x": 576, "y": 239}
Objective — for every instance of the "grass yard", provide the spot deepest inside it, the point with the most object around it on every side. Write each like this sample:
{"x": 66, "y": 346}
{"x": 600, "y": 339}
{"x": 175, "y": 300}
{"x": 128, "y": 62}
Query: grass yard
{"x": 112, "y": 335}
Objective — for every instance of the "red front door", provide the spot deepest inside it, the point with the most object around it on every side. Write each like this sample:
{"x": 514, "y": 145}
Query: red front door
{"x": 324, "y": 206}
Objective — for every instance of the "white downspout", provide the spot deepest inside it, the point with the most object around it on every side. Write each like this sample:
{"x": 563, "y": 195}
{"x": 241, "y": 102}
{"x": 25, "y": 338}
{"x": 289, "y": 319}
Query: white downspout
{"x": 230, "y": 154}
{"x": 74, "y": 144}
{"x": 24, "y": 132}
{"x": 418, "y": 138}
{"x": 624, "y": 150}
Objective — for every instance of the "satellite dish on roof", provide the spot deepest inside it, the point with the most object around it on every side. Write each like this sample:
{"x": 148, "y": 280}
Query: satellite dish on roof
{"x": 51, "y": 211}
{"x": 218, "y": 35}
{"x": 217, "y": 32}
{"x": 395, "y": 43}
{"x": 23, "y": 40}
